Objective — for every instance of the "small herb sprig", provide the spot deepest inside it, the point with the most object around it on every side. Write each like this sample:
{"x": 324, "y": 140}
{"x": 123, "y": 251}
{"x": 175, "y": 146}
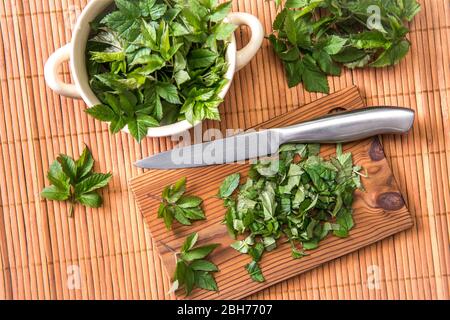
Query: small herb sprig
{"x": 315, "y": 38}
{"x": 176, "y": 205}
{"x": 299, "y": 196}
{"x": 193, "y": 270}
{"x": 156, "y": 62}
{"x": 74, "y": 181}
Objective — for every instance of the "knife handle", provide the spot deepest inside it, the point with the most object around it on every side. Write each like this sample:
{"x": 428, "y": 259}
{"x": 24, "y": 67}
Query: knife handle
{"x": 350, "y": 126}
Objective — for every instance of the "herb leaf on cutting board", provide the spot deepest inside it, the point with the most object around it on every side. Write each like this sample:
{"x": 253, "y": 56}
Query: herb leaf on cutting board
{"x": 74, "y": 181}
{"x": 298, "y": 196}
{"x": 175, "y": 205}
{"x": 193, "y": 270}
{"x": 156, "y": 62}
{"x": 316, "y": 38}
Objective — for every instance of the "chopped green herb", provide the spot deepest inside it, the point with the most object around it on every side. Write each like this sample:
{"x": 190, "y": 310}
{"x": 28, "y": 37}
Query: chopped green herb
{"x": 229, "y": 185}
{"x": 156, "y": 62}
{"x": 192, "y": 270}
{"x": 315, "y": 38}
{"x": 74, "y": 181}
{"x": 299, "y": 196}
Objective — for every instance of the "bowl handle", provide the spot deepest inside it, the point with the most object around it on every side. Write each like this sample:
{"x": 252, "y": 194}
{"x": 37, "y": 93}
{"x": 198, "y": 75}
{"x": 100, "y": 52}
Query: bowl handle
{"x": 51, "y": 73}
{"x": 246, "y": 54}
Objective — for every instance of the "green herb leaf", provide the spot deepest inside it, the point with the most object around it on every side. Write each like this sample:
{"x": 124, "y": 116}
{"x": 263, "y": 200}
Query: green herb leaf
{"x": 189, "y": 280}
{"x": 410, "y": 9}
{"x": 68, "y": 166}
{"x": 177, "y": 190}
{"x": 104, "y": 57}
{"x": 54, "y": 193}
{"x": 57, "y": 177}
{"x": 124, "y": 24}
{"x": 101, "y": 112}
{"x": 243, "y": 246}
{"x": 150, "y": 62}
{"x": 315, "y": 81}
{"x": 158, "y": 11}
{"x": 205, "y": 280}
{"x": 349, "y": 54}
{"x": 190, "y": 242}
{"x": 84, "y": 164}
{"x": 255, "y": 272}
{"x": 168, "y": 216}
{"x": 267, "y": 198}
{"x": 168, "y": 92}
{"x": 221, "y": 12}
{"x": 127, "y": 7}
{"x": 74, "y": 181}
{"x": 198, "y": 253}
{"x": 176, "y": 205}
{"x": 257, "y": 251}
{"x": 392, "y": 55}
{"x": 117, "y": 124}
{"x": 334, "y": 44}
{"x": 91, "y": 199}
{"x": 181, "y": 77}
{"x": 180, "y": 273}
{"x": 298, "y": 254}
{"x": 201, "y": 58}
{"x": 223, "y": 31}
{"x": 189, "y": 202}
{"x": 192, "y": 270}
{"x": 139, "y": 127}
{"x": 229, "y": 185}
{"x": 345, "y": 222}
{"x": 146, "y": 7}
{"x": 92, "y": 182}
{"x": 370, "y": 40}
{"x": 203, "y": 265}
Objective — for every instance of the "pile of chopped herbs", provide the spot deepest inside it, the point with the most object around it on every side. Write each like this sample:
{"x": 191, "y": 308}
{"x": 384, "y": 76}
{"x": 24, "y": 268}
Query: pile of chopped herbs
{"x": 315, "y": 38}
{"x": 175, "y": 205}
{"x": 193, "y": 270}
{"x": 156, "y": 62}
{"x": 298, "y": 196}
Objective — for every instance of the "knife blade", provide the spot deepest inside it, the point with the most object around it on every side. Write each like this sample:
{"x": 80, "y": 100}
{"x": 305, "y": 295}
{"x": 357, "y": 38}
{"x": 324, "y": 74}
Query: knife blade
{"x": 335, "y": 128}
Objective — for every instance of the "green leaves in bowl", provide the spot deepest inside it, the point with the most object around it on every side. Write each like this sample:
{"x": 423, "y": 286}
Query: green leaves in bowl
{"x": 74, "y": 181}
{"x": 315, "y": 38}
{"x": 157, "y": 62}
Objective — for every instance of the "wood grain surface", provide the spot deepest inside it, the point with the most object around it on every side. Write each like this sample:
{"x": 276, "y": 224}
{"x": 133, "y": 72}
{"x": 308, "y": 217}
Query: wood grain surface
{"x": 41, "y": 249}
{"x": 379, "y": 211}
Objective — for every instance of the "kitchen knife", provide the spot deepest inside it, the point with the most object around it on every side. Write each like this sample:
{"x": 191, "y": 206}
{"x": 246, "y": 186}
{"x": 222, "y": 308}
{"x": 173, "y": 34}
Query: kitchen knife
{"x": 335, "y": 128}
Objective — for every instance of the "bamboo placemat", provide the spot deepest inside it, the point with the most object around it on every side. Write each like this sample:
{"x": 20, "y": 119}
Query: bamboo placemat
{"x": 42, "y": 250}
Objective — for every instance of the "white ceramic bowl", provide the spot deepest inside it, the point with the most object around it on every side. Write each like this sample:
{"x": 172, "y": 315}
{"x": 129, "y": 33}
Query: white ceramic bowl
{"x": 75, "y": 53}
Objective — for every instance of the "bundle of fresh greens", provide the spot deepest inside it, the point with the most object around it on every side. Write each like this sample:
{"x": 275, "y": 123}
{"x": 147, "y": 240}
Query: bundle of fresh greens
{"x": 156, "y": 62}
{"x": 315, "y": 38}
{"x": 193, "y": 269}
{"x": 175, "y": 205}
{"x": 75, "y": 181}
{"x": 299, "y": 196}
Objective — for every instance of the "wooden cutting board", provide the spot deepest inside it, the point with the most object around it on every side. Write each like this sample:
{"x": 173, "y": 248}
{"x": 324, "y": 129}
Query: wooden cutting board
{"x": 378, "y": 212}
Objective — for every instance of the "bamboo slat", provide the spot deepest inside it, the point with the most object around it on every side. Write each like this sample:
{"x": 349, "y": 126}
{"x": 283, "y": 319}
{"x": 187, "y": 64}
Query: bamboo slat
{"x": 41, "y": 248}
